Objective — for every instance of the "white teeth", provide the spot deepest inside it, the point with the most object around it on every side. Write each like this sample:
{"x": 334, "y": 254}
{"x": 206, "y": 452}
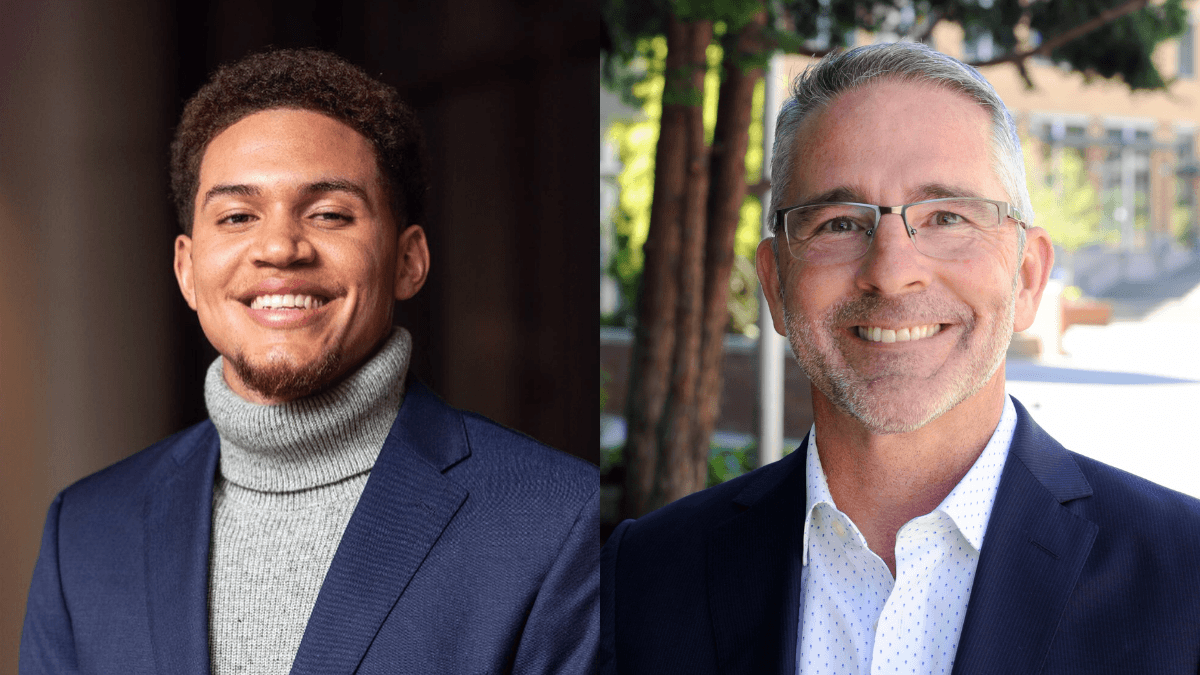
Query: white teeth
{"x": 887, "y": 335}
{"x": 286, "y": 302}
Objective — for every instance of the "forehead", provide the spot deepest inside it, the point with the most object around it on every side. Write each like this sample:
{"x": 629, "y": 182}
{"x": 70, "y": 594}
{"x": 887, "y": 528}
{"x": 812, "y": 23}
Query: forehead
{"x": 282, "y": 145}
{"x": 885, "y": 140}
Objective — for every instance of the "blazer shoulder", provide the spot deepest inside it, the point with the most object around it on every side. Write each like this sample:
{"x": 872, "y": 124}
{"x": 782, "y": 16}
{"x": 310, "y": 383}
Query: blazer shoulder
{"x": 130, "y": 478}
{"x": 683, "y": 524}
{"x": 1122, "y": 496}
{"x": 520, "y": 459}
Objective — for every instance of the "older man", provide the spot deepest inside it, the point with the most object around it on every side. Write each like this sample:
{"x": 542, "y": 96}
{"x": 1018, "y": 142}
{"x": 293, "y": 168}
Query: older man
{"x": 926, "y": 524}
{"x": 332, "y": 516}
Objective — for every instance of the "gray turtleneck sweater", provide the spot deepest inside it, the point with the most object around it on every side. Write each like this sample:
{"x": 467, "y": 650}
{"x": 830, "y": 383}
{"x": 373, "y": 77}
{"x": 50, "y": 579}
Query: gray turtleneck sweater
{"x": 290, "y": 476}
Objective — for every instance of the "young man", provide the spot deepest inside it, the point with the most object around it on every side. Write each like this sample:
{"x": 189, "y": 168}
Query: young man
{"x": 926, "y": 524}
{"x": 332, "y": 516}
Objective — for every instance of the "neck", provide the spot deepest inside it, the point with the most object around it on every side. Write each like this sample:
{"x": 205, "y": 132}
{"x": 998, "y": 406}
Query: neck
{"x": 881, "y": 481}
{"x": 312, "y": 441}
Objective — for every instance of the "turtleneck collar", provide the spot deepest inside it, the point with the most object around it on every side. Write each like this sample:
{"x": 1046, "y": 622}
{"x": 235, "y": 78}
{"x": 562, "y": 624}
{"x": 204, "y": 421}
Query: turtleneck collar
{"x": 316, "y": 440}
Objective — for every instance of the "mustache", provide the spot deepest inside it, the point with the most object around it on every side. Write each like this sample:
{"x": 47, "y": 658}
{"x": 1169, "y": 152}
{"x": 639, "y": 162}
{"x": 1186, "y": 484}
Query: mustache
{"x": 921, "y": 308}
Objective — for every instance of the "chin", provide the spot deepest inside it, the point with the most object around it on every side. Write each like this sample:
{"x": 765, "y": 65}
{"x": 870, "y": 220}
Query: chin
{"x": 281, "y": 378}
{"x": 893, "y": 412}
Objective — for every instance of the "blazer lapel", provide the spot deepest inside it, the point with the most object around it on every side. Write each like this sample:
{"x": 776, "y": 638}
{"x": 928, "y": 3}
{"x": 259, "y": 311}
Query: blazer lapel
{"x": 404, "y": 508}
{"x": 178, "y": 527}
{"x": 754, "y": 573}
{"x": 1032, "y": 555}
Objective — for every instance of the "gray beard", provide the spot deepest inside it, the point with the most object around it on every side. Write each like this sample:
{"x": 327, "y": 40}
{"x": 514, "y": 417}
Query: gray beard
{"x": 848, "y": 392}
{"x": 282, "y": 380}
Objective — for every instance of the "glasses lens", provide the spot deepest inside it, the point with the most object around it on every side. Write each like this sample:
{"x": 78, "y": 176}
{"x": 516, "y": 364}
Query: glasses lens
{"x": 829, "y": 233}
{"x": 952, "y": 228}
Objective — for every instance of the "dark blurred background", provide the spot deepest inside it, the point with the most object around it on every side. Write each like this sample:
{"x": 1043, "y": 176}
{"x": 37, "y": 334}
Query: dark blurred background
{"x": 99, "y": 355}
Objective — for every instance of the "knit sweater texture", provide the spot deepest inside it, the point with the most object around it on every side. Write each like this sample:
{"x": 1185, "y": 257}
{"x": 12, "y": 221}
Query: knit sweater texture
{"x": 289, "y": 478}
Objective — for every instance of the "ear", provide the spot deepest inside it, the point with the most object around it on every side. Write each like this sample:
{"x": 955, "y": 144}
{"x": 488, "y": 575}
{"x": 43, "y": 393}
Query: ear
{"x": 765, "y": 261}
{"x": 412, "y": 262}
{"x": 1032, "y": 277}
{"x": 183, "y": 269}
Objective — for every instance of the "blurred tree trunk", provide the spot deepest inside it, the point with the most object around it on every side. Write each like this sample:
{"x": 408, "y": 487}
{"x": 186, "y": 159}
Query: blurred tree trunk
{"x": 675, "y": 372}
{"x": 680, "y": 150}
{"x": 731, "y": 139}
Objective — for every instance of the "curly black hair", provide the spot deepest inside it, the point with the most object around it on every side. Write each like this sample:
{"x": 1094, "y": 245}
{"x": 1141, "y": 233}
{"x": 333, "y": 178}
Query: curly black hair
{"x": 305, "y": 79}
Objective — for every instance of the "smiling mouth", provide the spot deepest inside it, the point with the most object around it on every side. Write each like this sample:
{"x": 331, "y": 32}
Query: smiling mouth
{"x": 877, "y": 334}
{"x": 288, "y": 301}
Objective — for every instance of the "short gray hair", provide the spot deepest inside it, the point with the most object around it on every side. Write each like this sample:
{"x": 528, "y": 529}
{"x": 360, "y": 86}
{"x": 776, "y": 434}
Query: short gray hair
{"x": 909, "y": 62}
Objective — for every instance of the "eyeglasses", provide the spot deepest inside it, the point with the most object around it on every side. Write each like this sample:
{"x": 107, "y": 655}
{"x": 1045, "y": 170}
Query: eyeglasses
{"x": 838, "y": 232}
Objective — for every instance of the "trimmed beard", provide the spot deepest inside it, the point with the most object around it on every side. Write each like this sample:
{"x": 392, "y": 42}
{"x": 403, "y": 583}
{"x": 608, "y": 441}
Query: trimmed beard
{"x": 849, "y": 392}
{"x": 279, "y": 379}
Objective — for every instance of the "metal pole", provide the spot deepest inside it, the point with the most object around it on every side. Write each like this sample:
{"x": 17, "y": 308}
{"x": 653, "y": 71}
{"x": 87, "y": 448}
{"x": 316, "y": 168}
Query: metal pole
{"x": 770, "y": 343}
{"x": 1128, "y": 204}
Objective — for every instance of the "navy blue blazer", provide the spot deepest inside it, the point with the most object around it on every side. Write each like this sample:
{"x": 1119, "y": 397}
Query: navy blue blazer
{"x": 1084, "y": 569}
{"x": 473, "y": 549}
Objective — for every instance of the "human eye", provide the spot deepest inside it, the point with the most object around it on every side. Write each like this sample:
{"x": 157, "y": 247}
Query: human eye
{"x": 332, "y": 218}
{"x": 829, "y": 220}
{"x": 965, "y": 214}
{"x": 841, "y": 224}
{"x": 236, "y": 219}
{"x": 948, "y": 218}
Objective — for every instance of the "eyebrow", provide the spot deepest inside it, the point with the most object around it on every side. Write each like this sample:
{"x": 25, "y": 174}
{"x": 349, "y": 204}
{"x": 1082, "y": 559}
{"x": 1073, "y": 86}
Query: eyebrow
{"x": 847, "y": 193}
{"x": 233, "y": 190}
{"x": 336, "y": 185}
{"x": 317, "y": 188}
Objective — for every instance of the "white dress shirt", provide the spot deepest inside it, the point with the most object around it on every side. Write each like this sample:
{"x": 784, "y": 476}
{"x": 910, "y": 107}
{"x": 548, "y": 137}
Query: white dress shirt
{"x": 855, "y": 618}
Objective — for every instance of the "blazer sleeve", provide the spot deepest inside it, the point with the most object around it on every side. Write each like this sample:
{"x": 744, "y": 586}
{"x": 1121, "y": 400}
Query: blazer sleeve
{"x": 47, "y": 643}
{"x": 563, "y": 629}
{"x": 608, "y": 599}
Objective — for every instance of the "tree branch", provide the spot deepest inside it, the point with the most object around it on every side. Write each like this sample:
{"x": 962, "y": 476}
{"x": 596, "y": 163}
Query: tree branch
{"x": 1024, "y": 72}
{"x": 1049, "y": 45}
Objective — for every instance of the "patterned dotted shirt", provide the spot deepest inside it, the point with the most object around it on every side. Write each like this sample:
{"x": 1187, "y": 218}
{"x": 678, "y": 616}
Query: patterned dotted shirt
{"x": 855, "y": 618}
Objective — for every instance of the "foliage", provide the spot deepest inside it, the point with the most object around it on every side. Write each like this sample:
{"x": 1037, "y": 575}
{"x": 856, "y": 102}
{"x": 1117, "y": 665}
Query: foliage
{"x": 726, "y": 463}
{"x": 1065, "y": 202}
{"x": 1181, "y": 225}
{"x": 631, "y": 22}
{"x": 1122, "y": 48}
{"x": 604, "y": 378}
{"x": 636, "y": 141}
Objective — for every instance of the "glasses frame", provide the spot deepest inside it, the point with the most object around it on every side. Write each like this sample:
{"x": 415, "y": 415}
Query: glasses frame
{"x": 1005, "y": 209}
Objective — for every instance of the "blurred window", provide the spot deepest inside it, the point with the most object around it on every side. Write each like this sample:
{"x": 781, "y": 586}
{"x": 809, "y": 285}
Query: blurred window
{"x": 1183, "y": 215}
{"x": 1128, "y": 150}
{"x": 1187, "y": 51}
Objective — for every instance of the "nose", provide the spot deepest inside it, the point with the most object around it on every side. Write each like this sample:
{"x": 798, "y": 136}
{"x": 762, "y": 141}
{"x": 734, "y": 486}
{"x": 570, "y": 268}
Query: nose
{"x": 281, "y": 240}
{"x": 892, "y": 265}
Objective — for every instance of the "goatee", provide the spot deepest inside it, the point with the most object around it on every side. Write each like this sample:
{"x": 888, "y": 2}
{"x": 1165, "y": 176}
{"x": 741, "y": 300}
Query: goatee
{"x": 282, "y": 380}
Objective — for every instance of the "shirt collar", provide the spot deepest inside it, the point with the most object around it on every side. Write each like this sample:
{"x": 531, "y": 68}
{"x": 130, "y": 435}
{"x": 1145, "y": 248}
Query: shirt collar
{"x": 969, "y": 504}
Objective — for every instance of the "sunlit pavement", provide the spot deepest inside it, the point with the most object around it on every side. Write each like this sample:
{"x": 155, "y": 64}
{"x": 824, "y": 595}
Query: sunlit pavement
{"x": 1127, "y": 394}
